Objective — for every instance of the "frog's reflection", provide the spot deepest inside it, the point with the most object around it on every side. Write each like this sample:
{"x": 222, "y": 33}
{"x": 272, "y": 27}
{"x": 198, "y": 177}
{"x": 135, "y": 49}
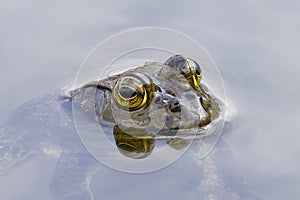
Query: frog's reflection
{"x": 138, "y": 144}
{"x": 133, "y": 146}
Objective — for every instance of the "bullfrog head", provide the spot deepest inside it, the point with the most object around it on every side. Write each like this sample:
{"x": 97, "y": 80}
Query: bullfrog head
{"x": 166, "y": 96}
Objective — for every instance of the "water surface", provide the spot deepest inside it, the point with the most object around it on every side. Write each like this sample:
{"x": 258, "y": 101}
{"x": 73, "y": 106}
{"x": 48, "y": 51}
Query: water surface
{"x": 255, "y": 45}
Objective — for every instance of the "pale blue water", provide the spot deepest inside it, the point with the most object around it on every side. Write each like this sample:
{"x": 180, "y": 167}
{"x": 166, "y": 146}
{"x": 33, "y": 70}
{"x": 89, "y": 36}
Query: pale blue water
{"x": 254, "y": 43}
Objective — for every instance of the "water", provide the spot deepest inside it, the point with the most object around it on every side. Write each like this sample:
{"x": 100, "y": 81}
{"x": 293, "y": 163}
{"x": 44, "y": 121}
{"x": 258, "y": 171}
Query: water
{"x": 254, "y": 43}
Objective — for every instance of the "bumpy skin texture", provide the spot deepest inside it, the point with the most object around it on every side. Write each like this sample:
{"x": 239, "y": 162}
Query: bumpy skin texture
{"x": 182, "y": 105}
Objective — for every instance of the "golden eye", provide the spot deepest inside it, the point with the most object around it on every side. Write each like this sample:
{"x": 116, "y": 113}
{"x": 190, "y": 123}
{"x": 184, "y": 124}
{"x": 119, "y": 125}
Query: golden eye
{"x": 188, "y": 67}
{"x": 129, "y": 93}
{"x": 195, "y": 70}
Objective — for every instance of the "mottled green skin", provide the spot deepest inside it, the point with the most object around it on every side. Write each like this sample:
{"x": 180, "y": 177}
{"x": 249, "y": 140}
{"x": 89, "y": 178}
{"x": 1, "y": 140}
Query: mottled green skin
{"x": 196, "y": 107}
{"x": 176, "y": 110}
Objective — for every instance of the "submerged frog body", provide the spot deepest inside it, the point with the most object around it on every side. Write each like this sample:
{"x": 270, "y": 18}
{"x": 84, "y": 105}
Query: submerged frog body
{"x": 160, "y": 102}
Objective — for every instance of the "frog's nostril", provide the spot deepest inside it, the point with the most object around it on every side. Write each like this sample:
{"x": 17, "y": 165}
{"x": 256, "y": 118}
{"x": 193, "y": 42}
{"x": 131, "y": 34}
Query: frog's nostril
{"x": 174, "y": 106}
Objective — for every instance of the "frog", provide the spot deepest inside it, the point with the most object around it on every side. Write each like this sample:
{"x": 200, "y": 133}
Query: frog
{"x": 166, "y": 102}
{"x": 155, "y": 101}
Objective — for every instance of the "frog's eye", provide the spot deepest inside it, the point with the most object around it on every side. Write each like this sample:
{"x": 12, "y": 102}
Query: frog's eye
{"x": 129, "y": 93}
{"x": 196, "y": 73}
{"x": 188, "y": 67}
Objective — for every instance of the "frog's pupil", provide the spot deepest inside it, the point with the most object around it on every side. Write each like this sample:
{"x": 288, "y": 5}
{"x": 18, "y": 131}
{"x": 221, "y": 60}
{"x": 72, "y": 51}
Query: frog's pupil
{"x": 198, "y": 71}
{"x": 127, "y": 92}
